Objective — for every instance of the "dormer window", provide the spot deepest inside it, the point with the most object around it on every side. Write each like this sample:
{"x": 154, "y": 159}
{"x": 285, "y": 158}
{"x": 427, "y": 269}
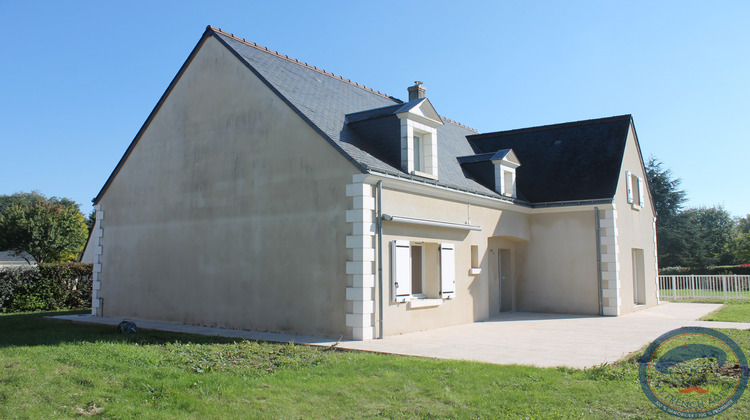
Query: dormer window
{"x": 505, "y": 162}
{"x": 421, "y": 153}
{"x": 419, "y": 137}
{"x": 415, "y": 150}
{"x": 509, "y": 183}
{"x": 418, "y": 153}
{"x": 496, "y": 170}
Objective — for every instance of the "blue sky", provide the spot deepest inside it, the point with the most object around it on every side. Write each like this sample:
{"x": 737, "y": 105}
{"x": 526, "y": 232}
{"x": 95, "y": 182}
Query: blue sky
{"x": 78, "y": 79}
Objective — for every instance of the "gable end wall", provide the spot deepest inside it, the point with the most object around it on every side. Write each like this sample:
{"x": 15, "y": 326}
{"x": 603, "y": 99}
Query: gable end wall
{"x": 635, "y": 230}
{"x": 230, "y": 211}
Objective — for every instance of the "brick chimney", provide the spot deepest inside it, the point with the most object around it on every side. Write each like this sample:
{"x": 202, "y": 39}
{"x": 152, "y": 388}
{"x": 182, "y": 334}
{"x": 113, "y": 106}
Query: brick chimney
{"x": 416, "y": 91}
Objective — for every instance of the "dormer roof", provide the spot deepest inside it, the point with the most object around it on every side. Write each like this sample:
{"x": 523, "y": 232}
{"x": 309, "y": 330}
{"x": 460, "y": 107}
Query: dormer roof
{"x": 420, "y": 108}
{"x": 505, "y": 155}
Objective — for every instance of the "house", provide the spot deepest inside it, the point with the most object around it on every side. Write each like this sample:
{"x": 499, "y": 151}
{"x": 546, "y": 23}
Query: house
{"x": 263, "y": 193}
{"x": 8, "y": 259}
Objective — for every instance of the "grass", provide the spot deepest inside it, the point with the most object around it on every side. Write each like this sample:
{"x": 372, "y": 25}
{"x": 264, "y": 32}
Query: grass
{"x": 732, "y": 311}
{"x": 668, "y": 294}
{"x": 52, "y": 369}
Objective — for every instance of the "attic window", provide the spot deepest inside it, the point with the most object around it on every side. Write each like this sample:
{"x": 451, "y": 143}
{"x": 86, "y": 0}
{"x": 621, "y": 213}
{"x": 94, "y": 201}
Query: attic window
{"x": 418, "y": 153}
{"x": 508, "y": 183}
{"x": 635, "y": 189}
{"x": 506, "y": 163}
{"x": 419, "y": 149}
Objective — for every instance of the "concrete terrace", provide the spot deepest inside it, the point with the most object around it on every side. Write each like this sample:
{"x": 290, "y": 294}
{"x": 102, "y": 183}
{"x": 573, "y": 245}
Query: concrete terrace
{"x": 537, "y": 339}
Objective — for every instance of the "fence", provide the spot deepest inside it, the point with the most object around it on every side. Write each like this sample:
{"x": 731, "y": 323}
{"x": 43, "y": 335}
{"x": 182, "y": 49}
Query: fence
{"x": 730, "y": 286}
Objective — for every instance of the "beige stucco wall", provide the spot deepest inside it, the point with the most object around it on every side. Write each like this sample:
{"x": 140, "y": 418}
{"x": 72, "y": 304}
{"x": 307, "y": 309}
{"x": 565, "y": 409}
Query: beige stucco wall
{"x": 559, "y": 264}
{"x": 552, "y": 258}
{"x": 230, "y": 211}
{"x": 635, "y": 227}
{"x": 472, "y": 302}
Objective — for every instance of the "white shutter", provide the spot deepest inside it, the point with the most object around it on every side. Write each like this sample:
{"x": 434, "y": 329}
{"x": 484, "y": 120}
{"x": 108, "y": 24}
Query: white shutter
{"x": 447, "y": 271}
{"x": 629, "y": 184}
{"x": 640, "y": 192}
{"x": 401, "y": 269}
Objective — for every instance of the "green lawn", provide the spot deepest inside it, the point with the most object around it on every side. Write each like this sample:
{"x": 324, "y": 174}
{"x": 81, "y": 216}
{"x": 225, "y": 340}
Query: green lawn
{"x": 687, "y": 294}
{"x": 52, "y": 369}
{"x": 732, "y": 311}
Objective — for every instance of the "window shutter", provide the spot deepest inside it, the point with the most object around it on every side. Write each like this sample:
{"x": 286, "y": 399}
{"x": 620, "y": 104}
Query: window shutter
{"x": 629, "y": 183}
{"x": 401, "y": 269}
{"x": 447, "y": 271}
{"x": 640, "y": 192}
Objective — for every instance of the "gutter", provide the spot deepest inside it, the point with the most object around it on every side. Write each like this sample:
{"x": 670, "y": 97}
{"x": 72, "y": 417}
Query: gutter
{"x": 380, "y": 258}
{"x": 479, "y": 196}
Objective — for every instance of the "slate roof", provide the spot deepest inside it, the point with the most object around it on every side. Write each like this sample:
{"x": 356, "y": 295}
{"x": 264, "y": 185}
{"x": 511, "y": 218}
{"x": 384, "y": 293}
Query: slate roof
{"x": 583, "y": 166}
{"x": 575, "y": 161}
{"x": 326, "y": 99}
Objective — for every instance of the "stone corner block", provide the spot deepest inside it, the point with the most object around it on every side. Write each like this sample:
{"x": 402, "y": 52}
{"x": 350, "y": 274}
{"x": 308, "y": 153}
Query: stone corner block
{"x": 355, "y": 190}
{"x": 364, "y": 334}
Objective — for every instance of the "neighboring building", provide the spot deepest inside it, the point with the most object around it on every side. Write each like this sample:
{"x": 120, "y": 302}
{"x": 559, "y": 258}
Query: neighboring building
{"x": 8, "y": 260}
{"x": 88, "y": 256}
{"x": 251, "y": 196}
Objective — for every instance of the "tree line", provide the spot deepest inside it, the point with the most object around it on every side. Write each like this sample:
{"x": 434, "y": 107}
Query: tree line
{"x": 694, "y": 237}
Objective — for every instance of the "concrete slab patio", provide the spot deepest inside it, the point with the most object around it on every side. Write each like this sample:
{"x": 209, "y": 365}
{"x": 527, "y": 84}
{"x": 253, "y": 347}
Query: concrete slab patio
{"x": 538, "y": 339}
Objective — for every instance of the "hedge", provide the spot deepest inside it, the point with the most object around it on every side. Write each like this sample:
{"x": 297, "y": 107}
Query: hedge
{"x": 45, "y": 287}
{"x": 735, "y": 269}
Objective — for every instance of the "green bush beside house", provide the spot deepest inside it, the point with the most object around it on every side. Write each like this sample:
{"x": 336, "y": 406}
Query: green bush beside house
{"x": 45, "y": 287}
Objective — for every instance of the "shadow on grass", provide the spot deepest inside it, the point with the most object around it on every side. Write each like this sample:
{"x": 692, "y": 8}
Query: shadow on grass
{"x": 32, "y": 329}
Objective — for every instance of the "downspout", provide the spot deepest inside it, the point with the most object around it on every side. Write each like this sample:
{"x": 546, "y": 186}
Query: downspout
{"x": 380, "y": 259}
{"x": 599, "y": 259}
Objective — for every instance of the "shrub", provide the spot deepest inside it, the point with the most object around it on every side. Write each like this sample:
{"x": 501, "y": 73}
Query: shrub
{"x": 15, "y": 281}
{"x": 733, "y": 269}
{"x": 45, "y": 287}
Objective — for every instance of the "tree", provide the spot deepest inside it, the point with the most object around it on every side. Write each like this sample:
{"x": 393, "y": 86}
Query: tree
{"x": 21, "y": 199}
{"x": 50, "y": 230}
{"x": 91, "y": 221}
{"x": 740, "y": 244}
{"x": 709, "y": 231}
{"x": 672, "y": 232}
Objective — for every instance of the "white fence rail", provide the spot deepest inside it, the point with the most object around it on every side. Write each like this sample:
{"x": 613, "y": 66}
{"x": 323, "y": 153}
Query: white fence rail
{"x": 730, "y": 286}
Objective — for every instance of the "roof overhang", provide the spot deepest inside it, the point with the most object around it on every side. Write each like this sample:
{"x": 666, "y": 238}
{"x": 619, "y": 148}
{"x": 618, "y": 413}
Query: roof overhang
{"x": 420, "y": 110}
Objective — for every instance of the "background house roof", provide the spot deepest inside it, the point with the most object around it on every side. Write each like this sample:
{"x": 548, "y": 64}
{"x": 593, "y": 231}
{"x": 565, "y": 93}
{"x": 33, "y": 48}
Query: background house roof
{"x": 7, "y": 259}
{"x": 564, "y": 162}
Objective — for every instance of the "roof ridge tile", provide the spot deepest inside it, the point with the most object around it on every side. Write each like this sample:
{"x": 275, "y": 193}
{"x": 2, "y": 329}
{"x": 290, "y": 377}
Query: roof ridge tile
{"x": 459, "y": 124}
{"x": 554, "y": 126}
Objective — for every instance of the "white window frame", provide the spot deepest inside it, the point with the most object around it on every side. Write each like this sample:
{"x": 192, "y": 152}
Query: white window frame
{"x": 421, "y": 247}
{"x": 426, "y": 164}
{"x": 401, "y": 273}
{"x": 418, "y": 151}
{"x": 635, "y": 190}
